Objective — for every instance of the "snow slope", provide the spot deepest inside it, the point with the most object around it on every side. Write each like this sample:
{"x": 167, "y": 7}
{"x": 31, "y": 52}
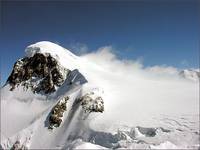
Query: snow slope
{"x": 141, "y": 110}
{"x": 64, "y": 56}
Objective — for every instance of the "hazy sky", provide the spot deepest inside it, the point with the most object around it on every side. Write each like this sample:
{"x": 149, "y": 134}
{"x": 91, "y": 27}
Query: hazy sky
{"x": 161, "y": 32}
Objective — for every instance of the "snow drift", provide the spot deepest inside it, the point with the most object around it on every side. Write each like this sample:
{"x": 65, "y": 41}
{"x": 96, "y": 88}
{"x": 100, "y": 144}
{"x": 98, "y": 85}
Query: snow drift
{"x": 111, "y": 103}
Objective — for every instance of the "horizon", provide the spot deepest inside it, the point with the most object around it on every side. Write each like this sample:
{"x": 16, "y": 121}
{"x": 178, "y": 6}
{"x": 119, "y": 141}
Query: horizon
{"x": 156, "y": 32}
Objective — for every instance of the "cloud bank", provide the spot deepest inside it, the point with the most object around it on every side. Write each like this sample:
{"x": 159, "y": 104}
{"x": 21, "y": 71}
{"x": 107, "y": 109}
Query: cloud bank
{"x": 134, "y": 93}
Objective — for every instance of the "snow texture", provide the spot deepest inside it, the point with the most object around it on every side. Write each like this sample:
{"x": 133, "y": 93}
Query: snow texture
{"x": 142, "y": 109}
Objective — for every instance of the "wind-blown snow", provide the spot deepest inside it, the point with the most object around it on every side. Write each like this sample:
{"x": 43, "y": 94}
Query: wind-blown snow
{"x": 64, "y": 56}
{"x": 133, "y": 96}
{"x": 131, "y": 87}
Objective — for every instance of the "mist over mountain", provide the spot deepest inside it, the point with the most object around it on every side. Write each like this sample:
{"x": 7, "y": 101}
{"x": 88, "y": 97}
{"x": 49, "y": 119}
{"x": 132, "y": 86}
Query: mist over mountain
{"x": 54, "y": 99}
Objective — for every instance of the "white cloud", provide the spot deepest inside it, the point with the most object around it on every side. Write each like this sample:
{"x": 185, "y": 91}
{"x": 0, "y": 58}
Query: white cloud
{"x": 134, "y": 92}
{"x": 106, "y": 57}
{"x": 163, "y": 69}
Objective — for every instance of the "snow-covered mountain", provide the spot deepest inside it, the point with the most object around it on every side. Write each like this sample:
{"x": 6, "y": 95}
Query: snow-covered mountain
{"x": 56, "y": 100}
{"x": 190, "y": 74}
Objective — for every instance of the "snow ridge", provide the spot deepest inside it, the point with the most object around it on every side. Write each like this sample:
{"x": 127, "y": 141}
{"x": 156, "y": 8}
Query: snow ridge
{"x": 90, "y": 104}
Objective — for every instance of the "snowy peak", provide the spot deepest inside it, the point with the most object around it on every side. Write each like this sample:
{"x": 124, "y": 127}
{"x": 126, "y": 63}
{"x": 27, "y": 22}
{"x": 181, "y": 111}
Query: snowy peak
{"x": 71, "y": 110}
{"x": 64, "y": 56}
{"x": 48, "y": 47}
{"x": 190, "y": 74}
{"x": 45, "y": 68}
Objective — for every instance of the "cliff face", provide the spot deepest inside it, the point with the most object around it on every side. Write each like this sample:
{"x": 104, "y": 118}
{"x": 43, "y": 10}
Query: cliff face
{"x": 41, "y": 72}
{"x": 47, "y": 90}
{"x": 92, "y": 103}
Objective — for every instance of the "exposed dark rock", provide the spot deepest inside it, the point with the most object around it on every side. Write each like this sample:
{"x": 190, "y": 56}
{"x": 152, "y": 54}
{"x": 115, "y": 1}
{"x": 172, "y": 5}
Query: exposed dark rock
{"x": 57, "y": 112}
{"x": 18, "y": 146}
{"x": 46, "y": 85}
{"x": 44, "y": 68}
{"x": 75, "y": 77}
{"x": 90, "y": 104}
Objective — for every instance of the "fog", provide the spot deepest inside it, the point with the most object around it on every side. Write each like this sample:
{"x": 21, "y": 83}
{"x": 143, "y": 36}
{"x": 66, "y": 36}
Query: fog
{"x": 134, "y": 93}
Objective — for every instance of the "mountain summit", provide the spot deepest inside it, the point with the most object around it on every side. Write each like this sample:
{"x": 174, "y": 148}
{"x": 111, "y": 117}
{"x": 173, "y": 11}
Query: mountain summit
{"x": 44, "y": 69}
{"x": 48, "y": 74}
{"x": 54, "y": 99}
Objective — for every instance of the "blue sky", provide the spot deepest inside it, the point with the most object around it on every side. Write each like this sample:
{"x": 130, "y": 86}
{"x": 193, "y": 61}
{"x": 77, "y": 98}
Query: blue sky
{"x": 160, "y": 32}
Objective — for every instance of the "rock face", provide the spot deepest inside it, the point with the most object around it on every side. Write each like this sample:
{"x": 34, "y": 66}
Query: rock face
{"x": 18, "y": 146}
{"x": 92, "y": 103}
{"x": 41, "y": 72}
{"x": 57, "y": 112}
{"x": 75, "y": 77}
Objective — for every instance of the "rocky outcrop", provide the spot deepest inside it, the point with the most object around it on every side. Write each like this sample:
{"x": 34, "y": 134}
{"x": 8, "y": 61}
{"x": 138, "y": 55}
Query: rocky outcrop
{"x": 75, "y": 77}
{"x": 92, "y": 103}
{"x": 18, "y": 146}
{"x": 57, "y": 112}
{"x": 40, "y": 72}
